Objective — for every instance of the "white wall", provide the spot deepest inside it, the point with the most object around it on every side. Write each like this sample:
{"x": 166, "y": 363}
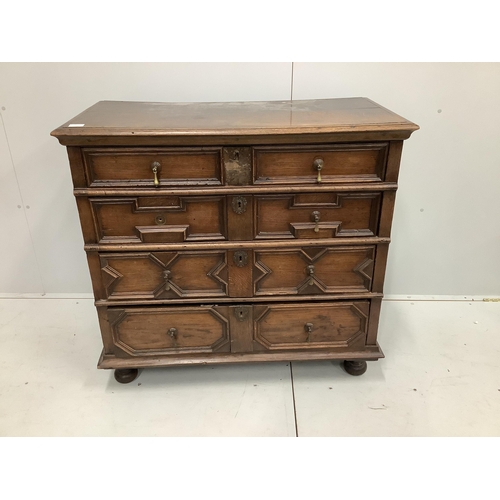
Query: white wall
{"x": 446, "y": 236}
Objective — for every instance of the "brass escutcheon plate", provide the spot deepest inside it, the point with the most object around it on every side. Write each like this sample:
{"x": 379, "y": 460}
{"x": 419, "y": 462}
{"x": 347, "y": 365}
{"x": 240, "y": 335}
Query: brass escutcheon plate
{"x": 241, "y": 313}
{"x": 240, "y": 258}
{"x": 239, "y": 205}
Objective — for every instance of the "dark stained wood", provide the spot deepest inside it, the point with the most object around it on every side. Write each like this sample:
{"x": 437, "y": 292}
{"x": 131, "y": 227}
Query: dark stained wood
{"x": 293, "y": 216}
{"x": 240, "y": 218}
{"x": 126, "y": 375}
{"x": 238, "y": 251}
{"x": 163, "y": 330}
{"x": 94, "y": 264}
{"x": 355, "y": 368}
{"x": 368, "y": 353}
{"x": 387, "y": 210}
{"x": 131, "y": 167}
{"x": 232, "y": 140}
{"x": 286, "y": 243}
{"x": 87, "y": 220}
{"x": 134, "y": 119}
{"x": 346, "y": 163}
{"x": 375, "y": 306}
{"x": 310, "y": 326}
{"x": 237, "y": 190}
{"x": 240, "y": 273}
{"x": 241, "y": 326}
{"x": 164, "y": 275}
{"x": 313, "y": 271}
{"x": 244, "y": 300}
{"x": 106, "y": 334}
{"x": 159, "y": 220}
{"x": 380, "y": 266}
{"x": 393, "y": 161}
{"x": 77, "y": 169}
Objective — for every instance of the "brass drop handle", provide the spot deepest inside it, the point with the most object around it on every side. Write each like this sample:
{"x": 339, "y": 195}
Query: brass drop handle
{"x": 316, "y": 216}
{"x": 308, "y": 328}
{"x": 318, "y": 165}
{"x": 310, "y": 272}
{"x": 166, "y": 276}
{"x": 156, "y": 167}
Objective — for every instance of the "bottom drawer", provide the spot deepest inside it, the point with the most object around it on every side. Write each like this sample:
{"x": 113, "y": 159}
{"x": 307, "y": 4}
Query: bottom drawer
{"x": 245, "y": 328}
{"x": 310, "y": 326}
{"x": 150, "y": 331}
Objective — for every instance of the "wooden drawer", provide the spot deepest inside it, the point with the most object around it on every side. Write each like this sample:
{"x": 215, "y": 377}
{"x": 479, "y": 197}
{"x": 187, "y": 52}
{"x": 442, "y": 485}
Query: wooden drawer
{"x": 152, "y": 219}
{"x": 310, "y": 326}
{"x": 316, "y": 215}
{"x": 134, "y": 166}
{"x": 164, "y": 275}
{"x": 313, "y": 271}
{"x": 339, "y": 163}
{"x": 143, "y": 331}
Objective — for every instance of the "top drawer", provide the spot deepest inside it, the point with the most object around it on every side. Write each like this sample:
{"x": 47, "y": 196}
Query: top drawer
{"x": 326, "y": 164}
{"x": 135, "y": 167}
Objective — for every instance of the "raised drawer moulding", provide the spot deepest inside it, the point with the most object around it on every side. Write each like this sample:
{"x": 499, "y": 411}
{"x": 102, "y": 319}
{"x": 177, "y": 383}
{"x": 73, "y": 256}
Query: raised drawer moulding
{"x": 236, "y": 232}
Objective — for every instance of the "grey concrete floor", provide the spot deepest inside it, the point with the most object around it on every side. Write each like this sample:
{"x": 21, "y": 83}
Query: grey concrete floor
{"x": 440, "y": 377}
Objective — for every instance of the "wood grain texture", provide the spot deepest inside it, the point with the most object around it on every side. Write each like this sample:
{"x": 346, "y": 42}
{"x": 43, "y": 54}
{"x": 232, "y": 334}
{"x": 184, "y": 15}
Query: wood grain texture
{"x": 131, "y": 167}
{"x": 163, "y": 330}
{"x": 375, "y": 306}
{"x": 241, "y": 300}
{"x": 240, "y": 252}
{"x": 367, "y": 353}
{"x": 241, "y": 327}
{"x": 165, "y": 220}
{"x": 293, "y": 216}
{"x": 286, "y": 243}
{"x": 393, "y": 161}
{"x": 237, "y": 190}
{"x": 313, "y": 271}
{"x": 135, "y": 119}
{"x": 164, "y": 275}
{"x": 77, "y": 168}
{"x": 310, "y": 326}
{"x": 342, "y": 163}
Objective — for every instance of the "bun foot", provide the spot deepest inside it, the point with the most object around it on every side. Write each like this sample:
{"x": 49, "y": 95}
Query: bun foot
{"x": 126, "y": 376}
{"x": 355, "y": 367}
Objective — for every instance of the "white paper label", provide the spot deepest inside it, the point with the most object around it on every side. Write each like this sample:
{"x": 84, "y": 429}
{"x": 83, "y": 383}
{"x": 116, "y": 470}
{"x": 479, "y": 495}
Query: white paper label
{"x": 76, "y": 125}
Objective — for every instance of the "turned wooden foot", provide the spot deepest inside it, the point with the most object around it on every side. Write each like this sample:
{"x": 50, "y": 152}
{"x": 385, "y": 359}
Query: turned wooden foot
{"x": 125, "y": 376}
{"x": 355, "y": 367}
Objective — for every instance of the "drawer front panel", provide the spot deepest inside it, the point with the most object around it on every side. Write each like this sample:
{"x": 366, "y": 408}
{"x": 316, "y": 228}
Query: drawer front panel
{"x": 134, "y": 167}
{"x": 310, "y": 326}
{"x": 313, "y": 271}
{"x": 338, "y": 163}
{"x": 162, "y": 275}
{"x": 167, "y": 219}
{"x": 316, "y": 215}
{"x": 169, "y": 330}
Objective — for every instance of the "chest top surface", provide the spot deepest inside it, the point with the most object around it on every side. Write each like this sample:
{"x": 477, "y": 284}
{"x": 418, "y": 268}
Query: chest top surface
{"x": 132, "y": 119}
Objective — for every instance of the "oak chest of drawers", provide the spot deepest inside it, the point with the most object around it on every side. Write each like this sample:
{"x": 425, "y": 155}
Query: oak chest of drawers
{"x": 236, "y": 232}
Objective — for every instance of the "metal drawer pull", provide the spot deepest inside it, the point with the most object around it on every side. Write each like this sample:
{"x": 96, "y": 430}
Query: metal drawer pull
{"x": 156, "y": 167}
{"x": 318, "y": 165}
{"x": 310, "y": 272}
{"x": 316, "y": 215}
{"x": 173, "y": 335}
{"x": 308, "y": 328}
{"x": 166, "y": 276}
{"x": 160, "y": 220}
